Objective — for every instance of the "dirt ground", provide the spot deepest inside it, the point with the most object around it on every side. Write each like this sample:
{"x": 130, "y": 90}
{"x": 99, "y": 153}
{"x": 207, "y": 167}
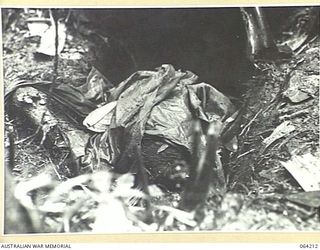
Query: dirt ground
{"x": 258, "y": 182}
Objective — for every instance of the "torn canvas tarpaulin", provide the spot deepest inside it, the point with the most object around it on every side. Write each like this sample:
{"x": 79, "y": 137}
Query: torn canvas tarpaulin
{"x": 160, "y": 103}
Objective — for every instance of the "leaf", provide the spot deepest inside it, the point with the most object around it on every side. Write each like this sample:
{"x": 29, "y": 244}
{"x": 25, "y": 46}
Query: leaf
{"x": 66, "y": 186}
{"x": 129, "y": 194}
{"x": 125, "y": 188}
{"x": 282, "y": 130}
{"x": 50, "y": 207}
{"x": 100, "y": 119}
{"x": 311, "y": 199}
{"x": 124, "y": 185}
{"x": 155, "y": 191}
{"x": 126, "y": 180}
{"x": 111, "y": 217}
{"x": 180, "y": 215}
{"x": 305, "y": 169}
{"x": 102, "y": 181}
{"x": 162, "y": 148}
{"x": 232, "y": 145}
{"x": 22, "y": 188}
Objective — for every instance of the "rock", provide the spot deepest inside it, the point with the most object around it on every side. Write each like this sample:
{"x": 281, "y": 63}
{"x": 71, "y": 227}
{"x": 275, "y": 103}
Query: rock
{"x": 301, "y": 87}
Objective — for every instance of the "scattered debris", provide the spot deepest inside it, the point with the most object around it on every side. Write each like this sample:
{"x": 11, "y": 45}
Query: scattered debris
{"x": 305, "y": 169}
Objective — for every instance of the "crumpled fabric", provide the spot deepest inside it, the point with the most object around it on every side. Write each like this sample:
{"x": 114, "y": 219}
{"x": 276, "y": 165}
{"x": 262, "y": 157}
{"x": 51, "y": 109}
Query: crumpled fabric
{"x": 161, "y": 103}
